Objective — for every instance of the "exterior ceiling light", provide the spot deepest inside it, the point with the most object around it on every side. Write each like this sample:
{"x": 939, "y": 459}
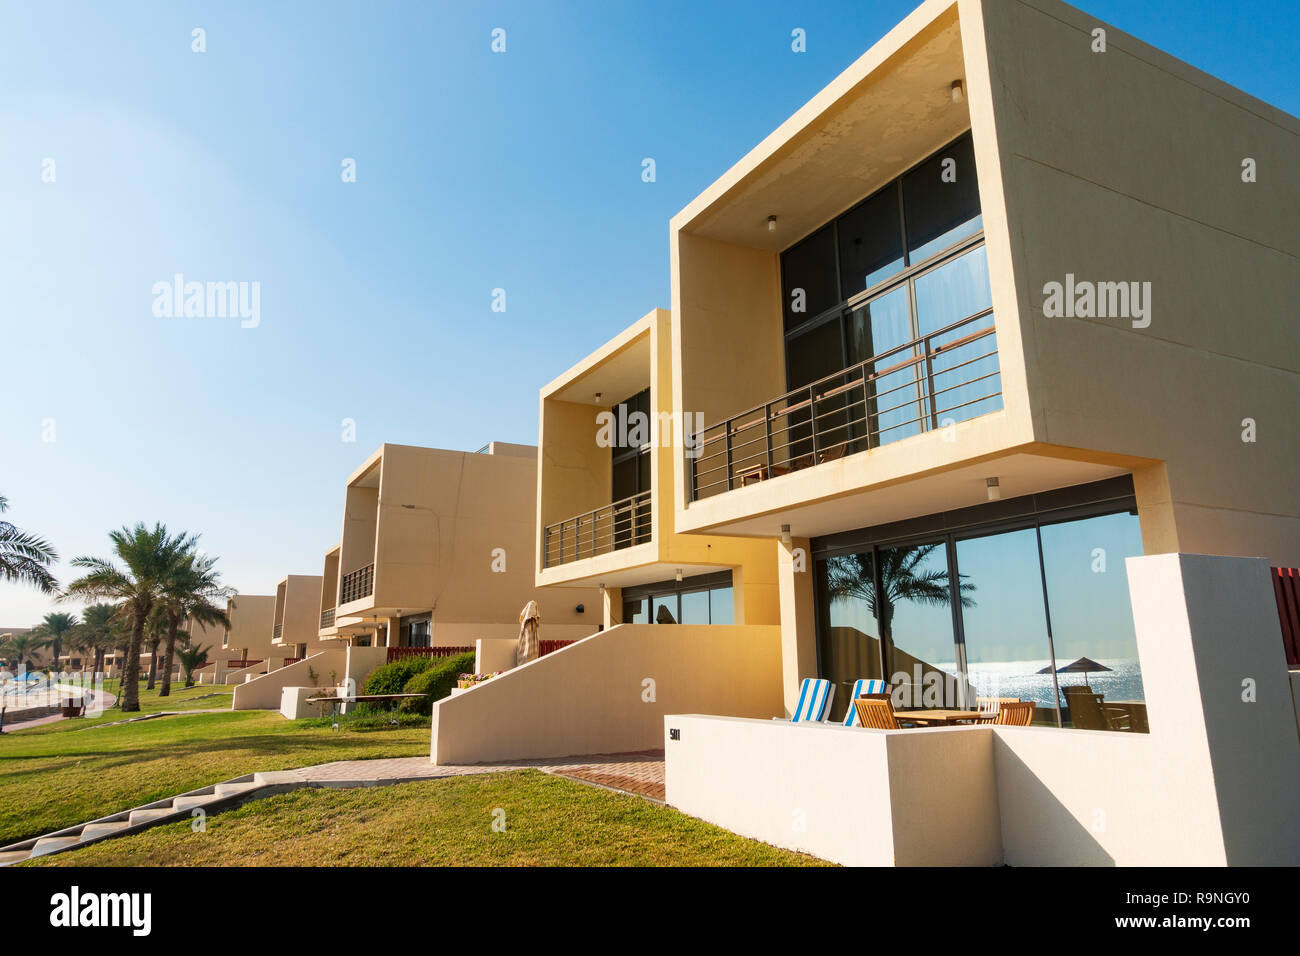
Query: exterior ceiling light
{"x": 771, "y": 223}
{"x": 785, "y": 535}
{"x": 679, "y": 575}
{"x": 957, "y": 91}
{"x": 994, "y": 491}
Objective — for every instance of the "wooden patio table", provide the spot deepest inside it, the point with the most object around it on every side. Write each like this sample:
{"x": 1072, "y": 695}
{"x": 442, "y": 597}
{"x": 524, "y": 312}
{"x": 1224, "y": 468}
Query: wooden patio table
{"x": 940, "y": 718}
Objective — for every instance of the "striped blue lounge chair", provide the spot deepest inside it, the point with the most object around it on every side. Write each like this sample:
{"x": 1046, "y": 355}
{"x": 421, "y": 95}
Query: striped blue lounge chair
{"x": 862, "y": 686}
{"x": 814, "y": 704}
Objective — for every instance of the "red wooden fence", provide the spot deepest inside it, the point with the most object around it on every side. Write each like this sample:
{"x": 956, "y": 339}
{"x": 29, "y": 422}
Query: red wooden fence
{"x": 400, "y": 653}
{"x": 1286, "y": 585}
{"x": 545, "y": 647}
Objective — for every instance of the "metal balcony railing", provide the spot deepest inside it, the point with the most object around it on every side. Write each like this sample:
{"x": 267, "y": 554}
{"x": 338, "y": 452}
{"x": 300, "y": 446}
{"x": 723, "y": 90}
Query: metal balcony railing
{"x": 357, "y": 584}
{"x": 944, "y": 377}
{"x": 327, "y": 618}
{"x": 615, "y": 526}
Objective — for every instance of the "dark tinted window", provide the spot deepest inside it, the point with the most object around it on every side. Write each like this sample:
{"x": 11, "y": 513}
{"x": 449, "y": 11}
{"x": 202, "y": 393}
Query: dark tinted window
{"x": 871, "y": 242}
{"x": 810, "y": 267}
{"x": 941, "y": 202}
{"x": 815, "y": 354}
{"x": 625, "y": 478}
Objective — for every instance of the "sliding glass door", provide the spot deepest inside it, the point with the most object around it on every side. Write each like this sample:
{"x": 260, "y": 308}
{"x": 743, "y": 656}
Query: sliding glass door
{"x": 1004, "y": 622}
{"x": 1035, "y": 609}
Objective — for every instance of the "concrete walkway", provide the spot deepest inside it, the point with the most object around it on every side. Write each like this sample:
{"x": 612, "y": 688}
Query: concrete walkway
{"x": 16, "y": 723}
{"x": 637, "y": 773}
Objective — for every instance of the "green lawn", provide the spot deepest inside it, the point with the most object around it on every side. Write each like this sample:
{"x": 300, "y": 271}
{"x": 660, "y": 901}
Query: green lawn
{"x": 72, "y": 771}
{"x": 549, "y": 821}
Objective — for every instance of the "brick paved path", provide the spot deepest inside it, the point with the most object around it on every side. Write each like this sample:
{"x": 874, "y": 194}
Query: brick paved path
{"x": 639, "y": 773}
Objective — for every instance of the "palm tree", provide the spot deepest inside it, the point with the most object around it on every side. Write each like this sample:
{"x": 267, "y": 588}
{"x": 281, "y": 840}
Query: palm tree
{"x": 25, "y": 557}
{"x": 849, "y": 577}
{"x": 155, "y": 630}
{"x": 23, "y": 647}
{"x": 192, "y": 658}
{"x": 101, "y": 628}
{"x": 76, "y": 647}
{"x": 147, "y": 557}
{"x": 191, "y": 594}
{"x": 57, "y": 626}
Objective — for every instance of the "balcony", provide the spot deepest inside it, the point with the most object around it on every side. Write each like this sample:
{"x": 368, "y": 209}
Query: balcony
{"x": 935, "y": 380}
{"x": 357, "y": 584}
{"x": 327, "y": 618}
{"x": 621, "y": 524}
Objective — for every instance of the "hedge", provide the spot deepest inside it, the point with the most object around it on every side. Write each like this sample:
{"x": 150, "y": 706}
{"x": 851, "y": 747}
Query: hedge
{"x": 391, "y": 678}
{"x": 436, "y": 682}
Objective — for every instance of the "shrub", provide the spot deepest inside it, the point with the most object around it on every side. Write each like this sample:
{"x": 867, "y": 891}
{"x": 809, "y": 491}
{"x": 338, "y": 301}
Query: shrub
{"x": 436, "y": 682}
{"x": 391, "y": 678}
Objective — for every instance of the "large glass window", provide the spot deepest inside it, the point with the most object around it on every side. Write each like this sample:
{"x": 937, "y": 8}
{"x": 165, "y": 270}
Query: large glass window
{"x": 1005, "y": 620}
{"x": 703, "y": 599}
{"x": 1034, "y": 608}
{"x": 630, "y": 469}
{"x": 849, "y": 636}
{"x": 879, "y": 328}
{"x": 1092, "y": 621}
{"x": 941, "y": 200}
{"x": 808, "y": 277}
{"x": 874, "y": 282}
{"x": 871, "y": 243}
{"x": 964, "y": 380}
{"x": 916, "y": 623}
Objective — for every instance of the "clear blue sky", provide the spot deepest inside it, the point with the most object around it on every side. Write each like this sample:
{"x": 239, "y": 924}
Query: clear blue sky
{"x": 475, "y": 171}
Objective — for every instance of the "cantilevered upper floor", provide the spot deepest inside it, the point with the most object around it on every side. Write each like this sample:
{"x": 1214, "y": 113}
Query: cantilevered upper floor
{"x": 447, "y": 537}
{"x": 1002, "y": 253}
{"x": 608, "y": 439}
{"x": 252, "y": 621}
{"x": 297, "y": 614}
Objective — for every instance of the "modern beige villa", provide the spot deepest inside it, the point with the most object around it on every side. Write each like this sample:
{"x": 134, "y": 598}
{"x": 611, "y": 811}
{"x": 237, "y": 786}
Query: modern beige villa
{"x": 296, "y": 632}
{"x": 435, "y": 557}
{"x": 244, "y": 650}
{"x": 604, "y": 494}
{"x": 437, "y": 550}
{"x": 991, "y": 345}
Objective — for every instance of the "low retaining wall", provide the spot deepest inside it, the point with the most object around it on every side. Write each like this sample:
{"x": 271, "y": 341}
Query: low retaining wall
{"x": 1216, "y": 782}
{"x": 857, "y": 797}
{"x": 494, "y": 654}
{"x": 264, "y": 693}
{"x": 294, "y": 702}
{"x": 609, "y": 692}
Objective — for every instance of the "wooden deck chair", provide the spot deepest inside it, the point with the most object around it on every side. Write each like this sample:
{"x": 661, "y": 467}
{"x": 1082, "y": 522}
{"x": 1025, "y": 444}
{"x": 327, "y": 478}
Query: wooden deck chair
{"x": 863, "y": 687}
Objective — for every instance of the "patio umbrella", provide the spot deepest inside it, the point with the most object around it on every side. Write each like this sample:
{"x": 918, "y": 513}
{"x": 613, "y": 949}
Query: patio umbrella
{"x": 1084, "y": 665}
{"x": 530, "y": 622}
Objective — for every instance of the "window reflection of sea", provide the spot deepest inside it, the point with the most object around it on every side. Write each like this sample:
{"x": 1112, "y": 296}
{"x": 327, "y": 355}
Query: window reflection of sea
{"x": 1021, "y": 679}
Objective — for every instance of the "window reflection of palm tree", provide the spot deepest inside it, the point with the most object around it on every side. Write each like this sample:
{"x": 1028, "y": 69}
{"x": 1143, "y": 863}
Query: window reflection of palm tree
{"x": 850, "y": 578}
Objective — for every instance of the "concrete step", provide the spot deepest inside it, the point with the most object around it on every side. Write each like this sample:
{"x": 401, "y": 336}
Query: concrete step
{"x": 93, "y": 831}
{"x": 50, "y": 844}
{"x": 235, "y": 789}
{"x": 189, "y": 803}
{"x": 144, "y": 816}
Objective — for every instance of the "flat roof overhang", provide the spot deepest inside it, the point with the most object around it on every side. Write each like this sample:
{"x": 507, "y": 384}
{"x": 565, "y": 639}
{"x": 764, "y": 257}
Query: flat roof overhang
{"x": 618, "y": 369}
{"x": 891, "y": 108}
{"x": 626, "y": 577}
{"x": 760, "y": 510}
